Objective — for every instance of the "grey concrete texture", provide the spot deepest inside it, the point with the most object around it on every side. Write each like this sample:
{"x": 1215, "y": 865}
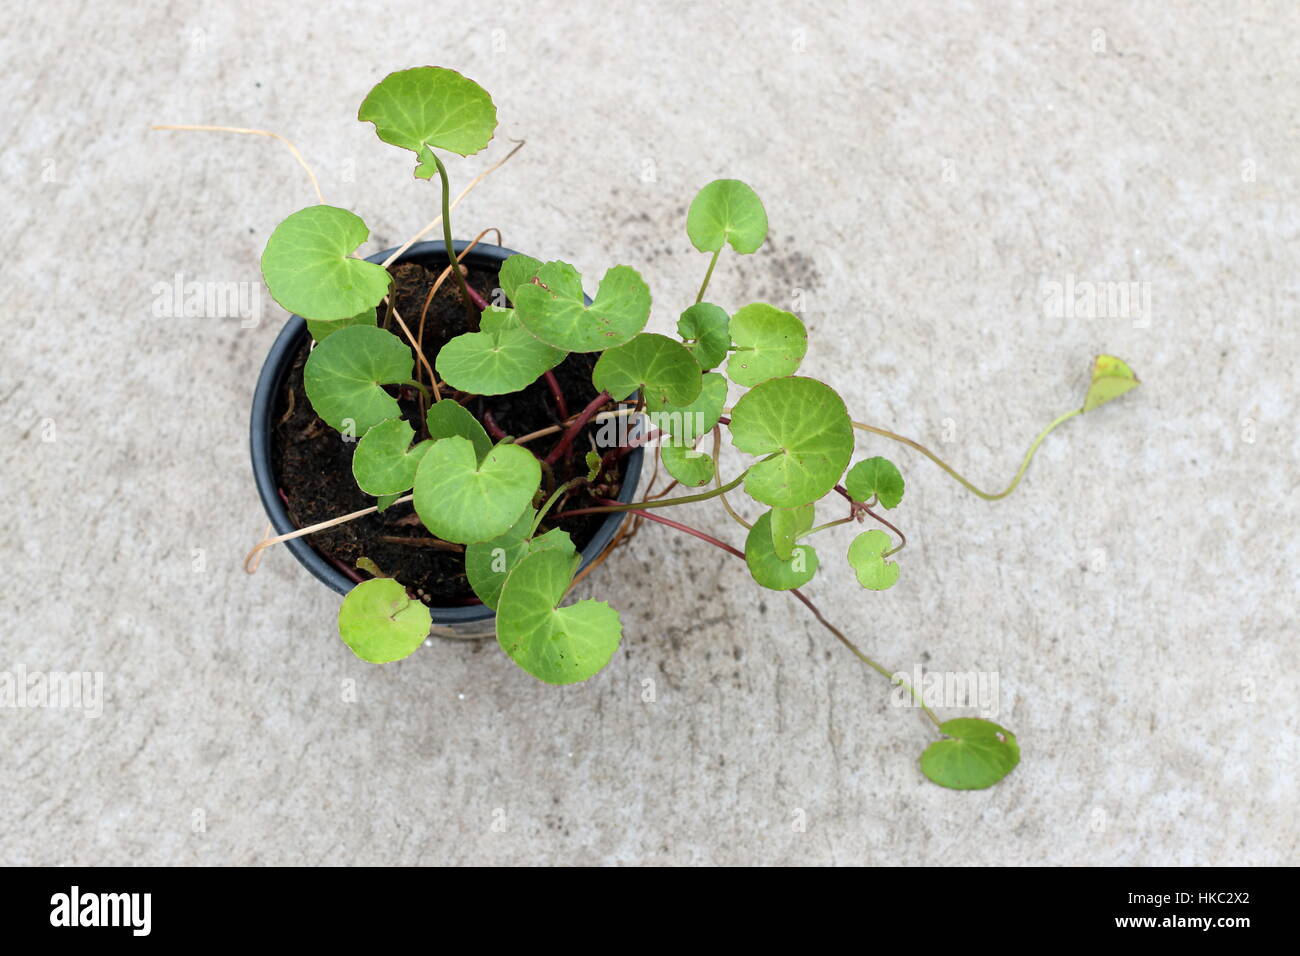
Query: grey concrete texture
{"x": 929, "y": 170}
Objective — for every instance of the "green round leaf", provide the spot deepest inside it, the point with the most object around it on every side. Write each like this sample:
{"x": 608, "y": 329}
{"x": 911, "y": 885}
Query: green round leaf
{"x": 978, "y": 755}
{"x": 768, "y": 569}
{"x": 770, "y": 342}
{"x": 558, "y": 645}
{"x": 380, "y": 622}
{"x": 321, "y": 329}
{"x": 726, "y": 210}
{"x": 515, "y": 271}
{"x": 1111, "y": 378}
{"x": 705, "y": 329}
{"x": 501, "y": 357}
{"x": 787, "y": 525}
{"x": 660, "y": 365}
{"x": 344, "y": 373}
{"x": 866, "y": 554}
{"x": 692, "y": 468}
{"x": 432, "y": 106}
{"x": 687, "y": 423}
{"x": 384, "y": 462}
{"x": 556, "y": 311}
{"x": 875, "y": 476}
{"x": 462, "y": 499}
{"x": 309, "y": 269}
{"x": 487, "y": 563}
{"x": 803, "y": 428}
{"x": 447, "y": 418}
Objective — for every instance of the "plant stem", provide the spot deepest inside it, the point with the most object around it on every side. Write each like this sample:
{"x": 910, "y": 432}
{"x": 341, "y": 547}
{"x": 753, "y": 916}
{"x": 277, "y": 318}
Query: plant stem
{"x": 561, "y": 406}
{"x": 665, "y": 503}
{"x": 550, "y": 501}
{"x": 579, "y": 423}
{"x": 803, "y": 598}
{"x": 708, "y": 275}
{"x": 822, "y": 527}
{"x": 902, "y": 538}
{"x": 446, "y": 239}
{"x": 987, "y": 496}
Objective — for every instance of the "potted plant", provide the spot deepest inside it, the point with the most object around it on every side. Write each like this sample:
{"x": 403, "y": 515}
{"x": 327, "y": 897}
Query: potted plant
{"x": 496, "y": 431}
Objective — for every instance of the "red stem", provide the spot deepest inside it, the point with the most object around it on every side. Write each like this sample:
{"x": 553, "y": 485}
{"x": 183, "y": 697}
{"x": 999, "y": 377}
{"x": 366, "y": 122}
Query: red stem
{"x": 492, "y": 427}
{"x": 480, "y": 303}
{"x": 561, "y": 405}
{"x": 578, "y": 425}
{"x": 680, "y": 527}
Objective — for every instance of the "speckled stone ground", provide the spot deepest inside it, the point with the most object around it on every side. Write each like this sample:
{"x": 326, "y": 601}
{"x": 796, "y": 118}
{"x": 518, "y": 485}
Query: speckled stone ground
{"x": 932, "y": 172}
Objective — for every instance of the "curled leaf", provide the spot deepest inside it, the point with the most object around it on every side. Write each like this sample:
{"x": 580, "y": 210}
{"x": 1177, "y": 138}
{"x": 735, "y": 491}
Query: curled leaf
{"x": 1111, "y": 378}
{"x": 704, "y": 329}
{"x": 767, "y": 568}
{"x": 447, "y": 418}
{"x": 692, "y": 468}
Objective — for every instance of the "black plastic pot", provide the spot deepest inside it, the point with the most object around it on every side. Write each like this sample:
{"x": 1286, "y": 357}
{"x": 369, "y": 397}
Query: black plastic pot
{"x": 471, "y": 621}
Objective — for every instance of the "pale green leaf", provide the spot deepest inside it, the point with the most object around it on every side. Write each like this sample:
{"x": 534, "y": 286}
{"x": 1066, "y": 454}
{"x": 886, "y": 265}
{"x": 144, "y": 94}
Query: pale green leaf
{"x": 430, "y": 105}
{"x": 771, "y": 571}
{"x": 866, "y": 555}
{"x": 464, "y": 500}
{"x": 487, "y": 563}
{"x": 659, "y": 365}
{"x": 384, "y": 462}
{"x": 770, "y": 342}
{"x": 501, "y": 357}
{"x": 875, "y": 476}
{"x": 1111, "y": 378}
{"x": 726, "y": 210}
{"x": 787, "y": 525}
{"x": 514, "y": 272}
{"x": 692, "y": 468}
{"x": 978, "y": 754}
{"x": 686, "y": 423}
{"x": 558, "y": 645}
{"x": 380, "y": 622}
{"x": 309, "y": 269}
{"x": 344, "y": 373}
{"x": 803, "y": 428}
{"x": 556, "y": 311}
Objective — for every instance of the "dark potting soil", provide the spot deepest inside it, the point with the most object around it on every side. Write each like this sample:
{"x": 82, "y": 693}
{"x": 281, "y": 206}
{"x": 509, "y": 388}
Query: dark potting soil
{"x": 314, "y": 464}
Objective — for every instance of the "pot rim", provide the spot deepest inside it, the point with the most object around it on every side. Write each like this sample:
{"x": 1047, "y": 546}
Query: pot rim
{"x": 269, "y": 382}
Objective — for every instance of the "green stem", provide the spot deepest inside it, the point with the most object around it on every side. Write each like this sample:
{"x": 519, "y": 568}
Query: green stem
{"x": 420, "y": 385}
{"x": 708, "y": 275}
{"x": 663, "y": 503}
{"x": 822, "y": 527}
{"x": 446, "y": 241}
{"x": 549, "y": 502}
{"x": 987, "y": 496}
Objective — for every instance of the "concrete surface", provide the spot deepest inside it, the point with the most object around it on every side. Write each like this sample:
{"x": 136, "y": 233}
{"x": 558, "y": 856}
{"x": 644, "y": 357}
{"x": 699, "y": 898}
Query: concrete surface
{"x": 929, "y": 171}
